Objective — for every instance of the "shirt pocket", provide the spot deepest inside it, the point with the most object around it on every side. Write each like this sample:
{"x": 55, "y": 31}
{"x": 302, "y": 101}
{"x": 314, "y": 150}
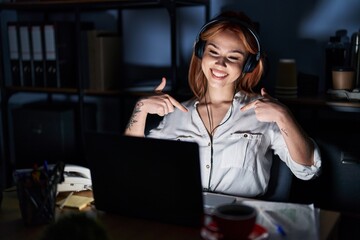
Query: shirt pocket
{"x": 241, "y": 150}
{"x": 185, "y": 138}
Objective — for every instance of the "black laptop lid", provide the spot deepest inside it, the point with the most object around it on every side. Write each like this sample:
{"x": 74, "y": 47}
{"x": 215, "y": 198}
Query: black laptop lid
{"x": 148, "y": 178}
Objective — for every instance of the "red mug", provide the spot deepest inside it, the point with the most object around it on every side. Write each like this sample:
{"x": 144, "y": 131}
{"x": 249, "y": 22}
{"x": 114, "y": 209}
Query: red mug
{"x": 234, "y": 221}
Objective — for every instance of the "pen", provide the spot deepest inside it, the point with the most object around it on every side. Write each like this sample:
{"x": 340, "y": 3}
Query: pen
{"x": 66, "y": 199}
{"x": 46, "y": 168}
{"x": 277, "y": 226}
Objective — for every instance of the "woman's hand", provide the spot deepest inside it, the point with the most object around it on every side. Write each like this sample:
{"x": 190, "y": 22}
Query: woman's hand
{"x": 267, "y": 108}
{"x": 160, "y": 103}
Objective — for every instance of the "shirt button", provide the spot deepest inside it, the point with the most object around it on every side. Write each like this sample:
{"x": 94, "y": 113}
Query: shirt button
{"x": 245, "y": 135}
{"x": 209, "y": 144}
{"x": 207, "y": 166}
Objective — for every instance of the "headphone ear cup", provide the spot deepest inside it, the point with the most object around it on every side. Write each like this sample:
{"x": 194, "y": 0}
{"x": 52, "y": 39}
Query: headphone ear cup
{"x": 199, "y": 48}
{"x": 250, "y": 63}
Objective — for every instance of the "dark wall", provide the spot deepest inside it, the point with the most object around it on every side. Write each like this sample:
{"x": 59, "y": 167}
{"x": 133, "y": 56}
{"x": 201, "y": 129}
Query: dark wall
{"x": 288, "y": 29}
{"x": 297, "y": 29}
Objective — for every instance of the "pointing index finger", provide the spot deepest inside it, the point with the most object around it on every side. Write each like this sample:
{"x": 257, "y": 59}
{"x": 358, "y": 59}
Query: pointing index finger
{"x": 178, "y": 105}
{"x": 248, "y": 106}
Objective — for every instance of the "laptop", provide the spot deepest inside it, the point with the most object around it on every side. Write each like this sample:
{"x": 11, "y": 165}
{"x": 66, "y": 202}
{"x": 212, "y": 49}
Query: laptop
{"x": 147, "y": 178}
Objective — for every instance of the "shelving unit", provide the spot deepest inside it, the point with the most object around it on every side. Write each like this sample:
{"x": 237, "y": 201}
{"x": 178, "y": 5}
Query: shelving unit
{"x": 76, "y": 8}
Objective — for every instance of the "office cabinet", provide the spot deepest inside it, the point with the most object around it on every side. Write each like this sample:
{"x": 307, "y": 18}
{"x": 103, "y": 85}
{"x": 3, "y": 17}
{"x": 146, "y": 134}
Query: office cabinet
{"x": 47, "y": 14}
{"x": 43, "y": 133}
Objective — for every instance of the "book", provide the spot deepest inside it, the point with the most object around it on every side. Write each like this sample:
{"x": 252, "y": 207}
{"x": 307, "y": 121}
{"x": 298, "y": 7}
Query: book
{"x": 104, "y": 59}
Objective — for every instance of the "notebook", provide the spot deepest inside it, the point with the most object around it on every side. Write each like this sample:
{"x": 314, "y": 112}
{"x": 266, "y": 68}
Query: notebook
{"x": 146, "y": 178}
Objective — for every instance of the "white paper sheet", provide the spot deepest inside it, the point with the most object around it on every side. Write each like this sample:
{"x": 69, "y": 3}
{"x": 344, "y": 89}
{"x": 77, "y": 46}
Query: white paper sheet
{"x": 299, "y": 221}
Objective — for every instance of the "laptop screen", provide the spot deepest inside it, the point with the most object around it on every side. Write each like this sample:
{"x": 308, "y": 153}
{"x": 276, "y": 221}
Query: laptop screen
{"x": 147, "y": 178}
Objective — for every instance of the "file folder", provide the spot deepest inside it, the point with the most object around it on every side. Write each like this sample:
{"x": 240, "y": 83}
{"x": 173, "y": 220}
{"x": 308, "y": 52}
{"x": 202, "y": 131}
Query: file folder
{"x": 14, "y": 55}
{"x": 27, "y": 78}
{"x": 38, "y": 55}
{"x": 51, "y": 64}
{"x": 44, "y": 54}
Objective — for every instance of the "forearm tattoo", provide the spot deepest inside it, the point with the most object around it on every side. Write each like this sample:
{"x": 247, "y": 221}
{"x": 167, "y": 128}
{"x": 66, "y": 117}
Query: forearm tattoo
{"x": 133, "y": 120}
{"x": 284, "y": 131}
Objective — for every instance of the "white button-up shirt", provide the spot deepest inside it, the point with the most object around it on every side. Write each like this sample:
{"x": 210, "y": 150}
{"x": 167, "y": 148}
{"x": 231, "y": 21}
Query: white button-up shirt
{"x": 238, "y": 158}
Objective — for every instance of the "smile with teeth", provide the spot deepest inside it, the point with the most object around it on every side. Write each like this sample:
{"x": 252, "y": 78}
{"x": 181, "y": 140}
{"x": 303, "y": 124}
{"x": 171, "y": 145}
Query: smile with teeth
{"x": 218, "y": 74}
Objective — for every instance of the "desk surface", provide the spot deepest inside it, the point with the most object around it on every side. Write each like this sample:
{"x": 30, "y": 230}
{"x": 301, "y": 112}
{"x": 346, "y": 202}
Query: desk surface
{"x": 118, "y": 227}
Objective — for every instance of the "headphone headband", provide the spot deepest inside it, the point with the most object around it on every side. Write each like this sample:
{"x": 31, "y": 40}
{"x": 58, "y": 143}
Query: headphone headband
{"x": 252, "y": 59}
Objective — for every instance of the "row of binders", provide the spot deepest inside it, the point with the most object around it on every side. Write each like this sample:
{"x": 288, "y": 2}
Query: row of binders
{"x": 45, "y": 55}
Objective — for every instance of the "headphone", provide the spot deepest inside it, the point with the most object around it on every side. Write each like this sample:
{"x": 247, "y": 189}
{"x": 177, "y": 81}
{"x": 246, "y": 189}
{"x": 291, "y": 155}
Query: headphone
{"x": 252, "y": 59}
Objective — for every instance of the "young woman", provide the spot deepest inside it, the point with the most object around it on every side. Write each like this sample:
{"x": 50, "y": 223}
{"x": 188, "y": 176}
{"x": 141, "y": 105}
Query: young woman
{"x": 237, "y": 130}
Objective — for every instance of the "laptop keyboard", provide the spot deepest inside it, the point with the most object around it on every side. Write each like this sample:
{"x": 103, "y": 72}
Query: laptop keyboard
{"x": 211, "y": 200}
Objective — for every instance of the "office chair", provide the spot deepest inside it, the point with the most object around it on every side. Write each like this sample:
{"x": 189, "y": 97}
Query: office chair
{"x": 280, "y": 182}
{"x": 338, "y": 186}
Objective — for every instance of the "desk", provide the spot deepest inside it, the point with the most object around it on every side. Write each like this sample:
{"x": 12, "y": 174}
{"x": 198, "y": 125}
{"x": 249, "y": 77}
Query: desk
{"x": 118, "y": 227}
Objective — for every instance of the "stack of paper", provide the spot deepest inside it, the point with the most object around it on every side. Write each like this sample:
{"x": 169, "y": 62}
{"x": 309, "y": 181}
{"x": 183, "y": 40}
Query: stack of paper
{"x": 75, "y": 201}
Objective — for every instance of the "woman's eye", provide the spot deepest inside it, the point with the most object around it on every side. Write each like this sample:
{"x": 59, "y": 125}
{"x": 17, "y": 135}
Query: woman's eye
{"x": 213, "y": 53}
{"x": 234, "y": 59}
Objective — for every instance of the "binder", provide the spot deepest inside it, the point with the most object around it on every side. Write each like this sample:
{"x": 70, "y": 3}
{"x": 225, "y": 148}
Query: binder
{"x": 52, "y": 75}
{"x": 25, "y": 55}
{"x": 37, "y": 55}
{"x": 104, "y": 58}
{"x": 14, "y": 54}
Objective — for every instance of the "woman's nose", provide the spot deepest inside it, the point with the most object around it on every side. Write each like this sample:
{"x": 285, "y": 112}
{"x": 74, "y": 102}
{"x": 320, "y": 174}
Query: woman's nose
{"x": 221, "y": 61}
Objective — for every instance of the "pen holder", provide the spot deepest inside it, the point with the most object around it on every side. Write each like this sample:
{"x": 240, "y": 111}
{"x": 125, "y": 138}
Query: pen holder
{"x": 36, "y": 190}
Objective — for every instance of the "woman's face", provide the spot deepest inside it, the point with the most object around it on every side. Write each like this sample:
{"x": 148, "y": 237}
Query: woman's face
{"x": 223, "y": 59}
